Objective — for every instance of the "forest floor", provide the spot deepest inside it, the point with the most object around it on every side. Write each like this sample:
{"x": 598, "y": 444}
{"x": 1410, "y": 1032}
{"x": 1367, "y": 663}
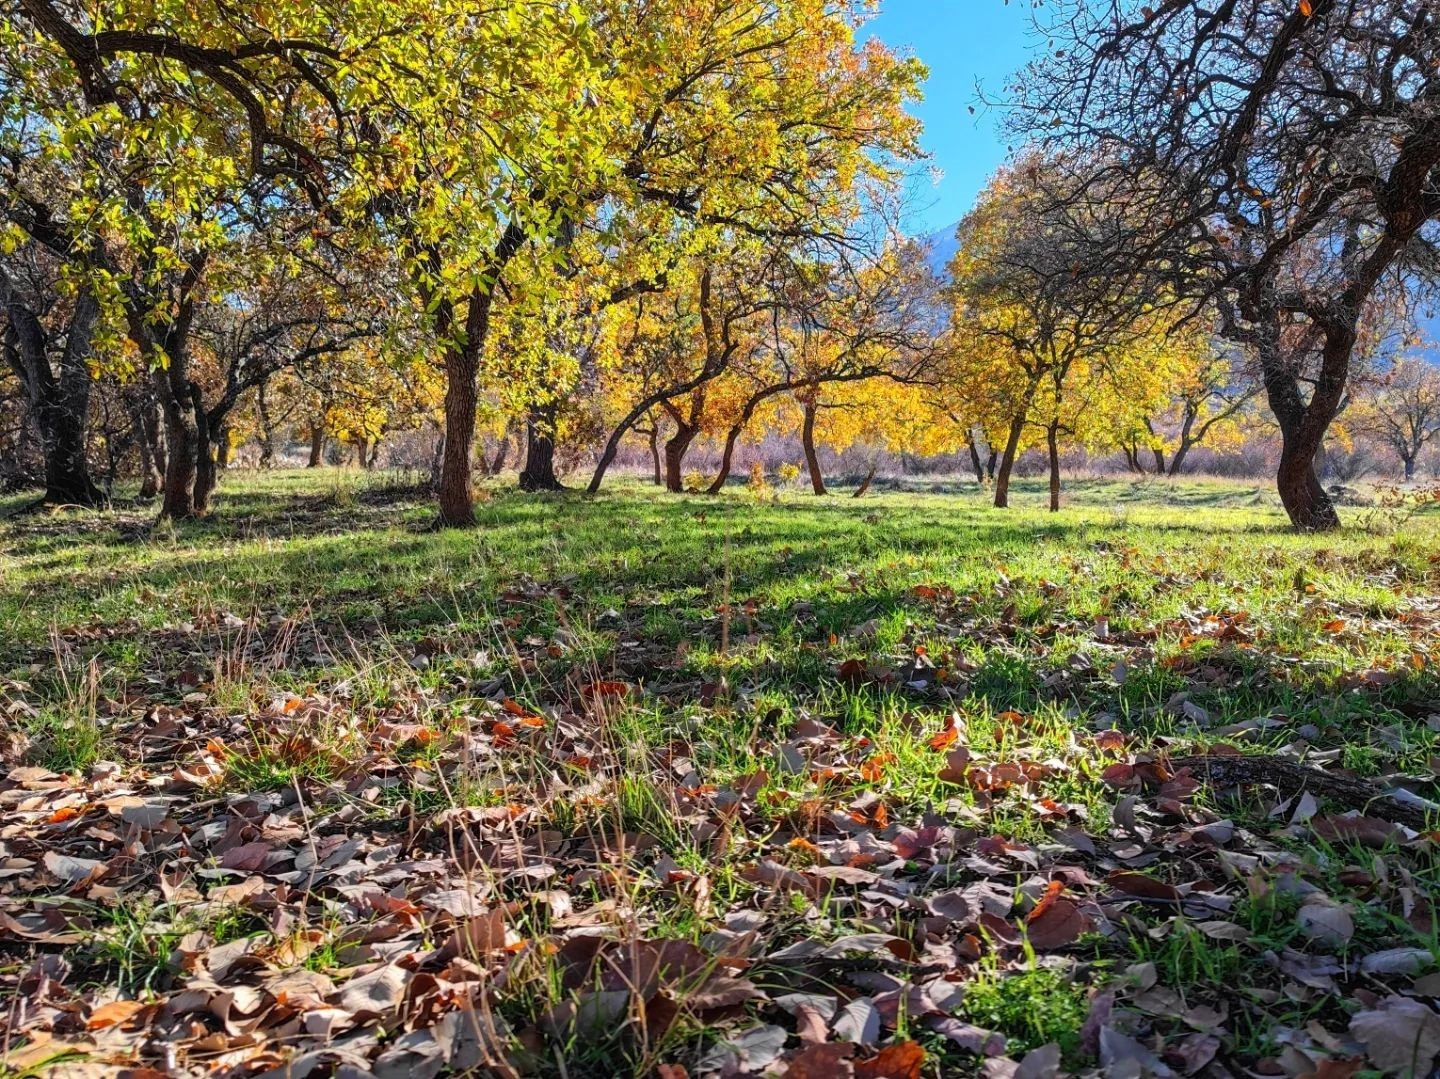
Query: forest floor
{"x": 648, "y": 785}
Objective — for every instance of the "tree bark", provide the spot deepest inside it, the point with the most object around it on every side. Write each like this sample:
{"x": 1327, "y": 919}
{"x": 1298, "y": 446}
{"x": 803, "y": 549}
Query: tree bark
{"x": 1007, "y": 461}
{"x": 182, "y": 446}
{"x": 1409, "y": 468}
{"x": 991, "y": 462}
{"x": 675, "y": 448}
{"x": 727, "y": 458}
{"x": 317, "y": 445}
{"x": 223, "y": 451}
{"x": 865, "y": 483}
{"x": 659, "y": 472}
{"x": 455, "y": 497}
{"x": 1052, "y": 444}
{"x": 539, "y": 471}
{"x": 268, "y": 436}
{"x": 207, "y": 452}
{"x": 146, "y": 418}
{"x": 1302, "y": 429}
{"x": 975, "y": 462}
{"x": 807, "y": 442}
{"x": 60, "y": 404}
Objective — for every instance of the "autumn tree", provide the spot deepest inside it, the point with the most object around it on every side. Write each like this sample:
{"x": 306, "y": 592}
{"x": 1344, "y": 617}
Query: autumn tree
{"x": 1277, "y": 162}
{"x": 1041, "y": 328}
{"x": 1403, "y": 411}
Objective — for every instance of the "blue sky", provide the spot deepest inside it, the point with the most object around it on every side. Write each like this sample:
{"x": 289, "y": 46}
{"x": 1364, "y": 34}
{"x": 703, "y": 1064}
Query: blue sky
{"x": 963, "y": 42}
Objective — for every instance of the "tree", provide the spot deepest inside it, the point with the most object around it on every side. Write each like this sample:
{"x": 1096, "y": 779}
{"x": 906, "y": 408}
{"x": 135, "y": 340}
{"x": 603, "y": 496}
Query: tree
{"x": 1207, "y": 402}
{"x": 1277, "y": 162}
{"x": 1403, "y": 412}
{"x": 1039, "y": 322}
{"x": 46, "y": 337}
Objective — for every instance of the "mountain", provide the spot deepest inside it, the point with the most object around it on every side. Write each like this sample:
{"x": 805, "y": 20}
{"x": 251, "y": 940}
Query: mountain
{"x": 941, "y": 246}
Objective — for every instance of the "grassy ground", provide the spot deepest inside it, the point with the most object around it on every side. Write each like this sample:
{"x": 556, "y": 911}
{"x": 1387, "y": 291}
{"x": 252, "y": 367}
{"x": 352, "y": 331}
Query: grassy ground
{"x": 621, "y": 784}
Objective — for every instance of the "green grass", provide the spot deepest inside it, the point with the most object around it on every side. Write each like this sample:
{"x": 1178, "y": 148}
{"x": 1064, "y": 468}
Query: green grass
{"x": 1182, "y": 615}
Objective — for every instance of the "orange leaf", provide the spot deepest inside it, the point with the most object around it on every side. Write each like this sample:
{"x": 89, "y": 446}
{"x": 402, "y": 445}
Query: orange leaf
{"x": 113, "y": 1014}
{"x": 1052, "y": 893}
{"x": 1334, "y": 627}
{"x": 1307, "y": 8}
{"x": 873, "y": 769}
{"x": 945, "y": 739}
{"x": 903, "y": 1060}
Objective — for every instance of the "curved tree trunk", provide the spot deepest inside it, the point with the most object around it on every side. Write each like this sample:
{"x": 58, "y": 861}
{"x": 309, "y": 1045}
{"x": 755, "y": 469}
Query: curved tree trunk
{"x": 539, "y": 471}
{"x": 807, "y": 442}
{"x": 1181, "y": 452}
{"x": 675, "y": 448}
{"x": 1007, "y": 462}
{"x": 1302, "y": 430}
{"x": 727, "y": 459}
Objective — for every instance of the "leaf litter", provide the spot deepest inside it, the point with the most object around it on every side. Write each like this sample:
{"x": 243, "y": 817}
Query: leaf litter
{"x": 464, "y": 880}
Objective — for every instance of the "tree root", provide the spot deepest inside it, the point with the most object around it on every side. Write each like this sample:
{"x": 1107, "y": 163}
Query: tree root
{"x": 1291, "y": 777}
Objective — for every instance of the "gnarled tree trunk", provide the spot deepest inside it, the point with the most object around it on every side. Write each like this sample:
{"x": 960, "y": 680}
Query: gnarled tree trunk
{"x": 60, "y": 404}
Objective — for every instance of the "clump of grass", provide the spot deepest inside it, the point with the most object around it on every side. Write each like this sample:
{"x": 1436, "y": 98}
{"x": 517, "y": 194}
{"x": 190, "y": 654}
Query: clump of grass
{"x": 1031, "y": 1007}
{"x": 67, "y": 736}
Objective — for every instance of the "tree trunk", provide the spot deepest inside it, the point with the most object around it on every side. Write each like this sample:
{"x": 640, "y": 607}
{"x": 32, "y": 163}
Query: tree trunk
{"x": 60, "y": 405}
{"x": 147, "y": 435}
{"x": 1007, "y": 462}
{"x": 1181, "y": 452}
{"x": 975, "y": 462}
{"x": 268, "y": 435}
{"x": 223, "y": 451}
{"x": 807, "y": 443}
{"x": 539, "y": 471}
{"x": 361, "y": 457}
{"x": 455, "y": 497}
{"x": 502, "y": 454}
{"x": 991, "y": 462}
{"x": 182, "y": 446}
{"x": 654, "y": 440}
{"x": 373, "y": 461}
{"x": 207, "y": 453}
{"x": 727, "y": 458}
{"x": 1409, "y": 468}
{"x": 865, "y": 483}
{"x": 317, "y": 445}
{"x": 675, "y": 448}
{"x": 1052, "y": 444}
{"x": 1302, "y": 430}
